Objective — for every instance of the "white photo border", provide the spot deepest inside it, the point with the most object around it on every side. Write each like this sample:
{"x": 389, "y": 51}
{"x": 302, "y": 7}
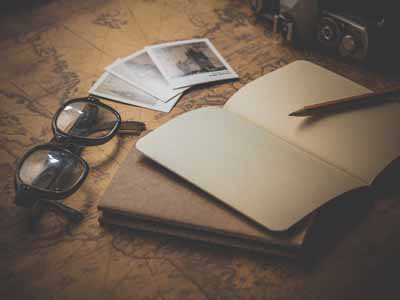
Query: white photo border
{"x": 163, "y": 94}
{"x": 158, "y": 105}
{"x": 190, "y": 80}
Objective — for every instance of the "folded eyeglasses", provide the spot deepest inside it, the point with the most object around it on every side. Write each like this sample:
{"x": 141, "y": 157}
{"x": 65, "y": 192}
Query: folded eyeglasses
{"x": 53, "y": 171}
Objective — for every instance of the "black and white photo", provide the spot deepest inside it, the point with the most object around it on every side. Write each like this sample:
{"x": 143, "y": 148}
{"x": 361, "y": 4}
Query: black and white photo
{"x": 191, "y": 62}
{"x": 139, "y": 70}
{"x": 114, "y": 88}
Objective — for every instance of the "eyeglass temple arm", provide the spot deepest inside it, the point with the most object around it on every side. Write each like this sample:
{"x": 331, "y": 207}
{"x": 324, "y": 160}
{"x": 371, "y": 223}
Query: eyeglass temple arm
{"x": 127, "y": 127}
{"x": 62, "y": 210}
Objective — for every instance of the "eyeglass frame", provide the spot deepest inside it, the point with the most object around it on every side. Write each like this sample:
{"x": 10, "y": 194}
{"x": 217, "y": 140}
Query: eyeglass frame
{"x": 64, "y": 137}
{"x": 69, "y": 144}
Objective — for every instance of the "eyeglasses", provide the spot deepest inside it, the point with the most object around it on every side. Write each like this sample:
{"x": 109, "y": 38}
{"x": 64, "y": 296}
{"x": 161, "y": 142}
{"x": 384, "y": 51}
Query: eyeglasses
{"x": 53, "y": 171}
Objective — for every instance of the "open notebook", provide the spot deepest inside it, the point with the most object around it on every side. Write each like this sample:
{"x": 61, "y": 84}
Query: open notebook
{"x": 273, "y": 168}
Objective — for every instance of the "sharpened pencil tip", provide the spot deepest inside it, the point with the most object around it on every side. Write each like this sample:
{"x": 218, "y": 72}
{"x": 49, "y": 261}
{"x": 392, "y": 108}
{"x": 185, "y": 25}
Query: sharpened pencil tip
{"x": 296, "y": 114}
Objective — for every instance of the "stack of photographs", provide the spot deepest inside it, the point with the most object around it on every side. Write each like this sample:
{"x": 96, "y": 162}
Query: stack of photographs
{"x": 156, "y": 77}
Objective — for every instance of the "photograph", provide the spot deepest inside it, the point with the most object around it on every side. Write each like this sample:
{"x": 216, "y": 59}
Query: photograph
{"x": 191, "y": 62}
{"x": 139, "y": 70}
{"x": 113, "y": 88}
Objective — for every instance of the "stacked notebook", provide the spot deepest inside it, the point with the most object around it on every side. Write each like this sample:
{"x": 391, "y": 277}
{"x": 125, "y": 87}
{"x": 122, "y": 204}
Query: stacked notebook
{"x": 145, "y": 196}
{"x": 247, "y": 174}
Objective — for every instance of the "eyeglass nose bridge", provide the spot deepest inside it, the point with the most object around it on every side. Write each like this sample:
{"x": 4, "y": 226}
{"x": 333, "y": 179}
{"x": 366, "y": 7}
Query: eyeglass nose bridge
{"x": 23, "y": 196}
{"x": 61, "y": 138}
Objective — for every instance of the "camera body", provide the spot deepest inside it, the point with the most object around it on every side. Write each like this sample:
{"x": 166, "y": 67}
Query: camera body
{"x": 351, "y": 28}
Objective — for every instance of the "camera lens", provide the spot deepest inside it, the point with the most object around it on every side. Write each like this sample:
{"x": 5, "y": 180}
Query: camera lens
{"x": 328, "y": 32}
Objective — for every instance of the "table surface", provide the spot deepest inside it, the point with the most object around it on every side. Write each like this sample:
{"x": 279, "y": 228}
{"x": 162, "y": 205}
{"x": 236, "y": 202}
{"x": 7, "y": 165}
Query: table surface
{"x": 53, "y": 51}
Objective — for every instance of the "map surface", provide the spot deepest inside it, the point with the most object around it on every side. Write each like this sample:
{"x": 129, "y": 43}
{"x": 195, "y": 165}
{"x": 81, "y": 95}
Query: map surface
{"x": 53, "y": 51}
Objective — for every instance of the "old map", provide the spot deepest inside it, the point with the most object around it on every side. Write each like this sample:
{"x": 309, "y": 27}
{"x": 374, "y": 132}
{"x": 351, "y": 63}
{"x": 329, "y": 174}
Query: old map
{"x": 52, "y": 51}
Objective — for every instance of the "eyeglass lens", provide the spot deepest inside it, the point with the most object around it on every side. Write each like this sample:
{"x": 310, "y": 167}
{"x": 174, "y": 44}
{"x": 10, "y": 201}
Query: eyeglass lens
{"x": 84, "y": 119}
{"x": 51, "y": 170}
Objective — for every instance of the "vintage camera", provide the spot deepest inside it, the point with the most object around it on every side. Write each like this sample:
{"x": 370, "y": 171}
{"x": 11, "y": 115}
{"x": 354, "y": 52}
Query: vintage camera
{"x": 351, "y": 28}
{"x": 294, "y": 20}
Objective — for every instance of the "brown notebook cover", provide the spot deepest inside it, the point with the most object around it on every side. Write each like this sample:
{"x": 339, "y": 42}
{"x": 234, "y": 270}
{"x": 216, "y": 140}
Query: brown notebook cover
{"x": 146, "y": 196}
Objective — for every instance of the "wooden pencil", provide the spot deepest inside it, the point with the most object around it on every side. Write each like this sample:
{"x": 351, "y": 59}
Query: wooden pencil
{"x": 372, "y": 98}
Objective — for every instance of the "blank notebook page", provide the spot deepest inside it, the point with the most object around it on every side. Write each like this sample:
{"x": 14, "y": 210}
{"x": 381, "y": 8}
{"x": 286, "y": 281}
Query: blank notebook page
{"x": 240, "y": 163}
{"x": 361, "y": 142}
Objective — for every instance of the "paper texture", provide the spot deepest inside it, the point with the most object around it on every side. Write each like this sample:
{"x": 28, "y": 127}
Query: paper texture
{"x": 361, "y": 142}
{"x": 240, "y": 163}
